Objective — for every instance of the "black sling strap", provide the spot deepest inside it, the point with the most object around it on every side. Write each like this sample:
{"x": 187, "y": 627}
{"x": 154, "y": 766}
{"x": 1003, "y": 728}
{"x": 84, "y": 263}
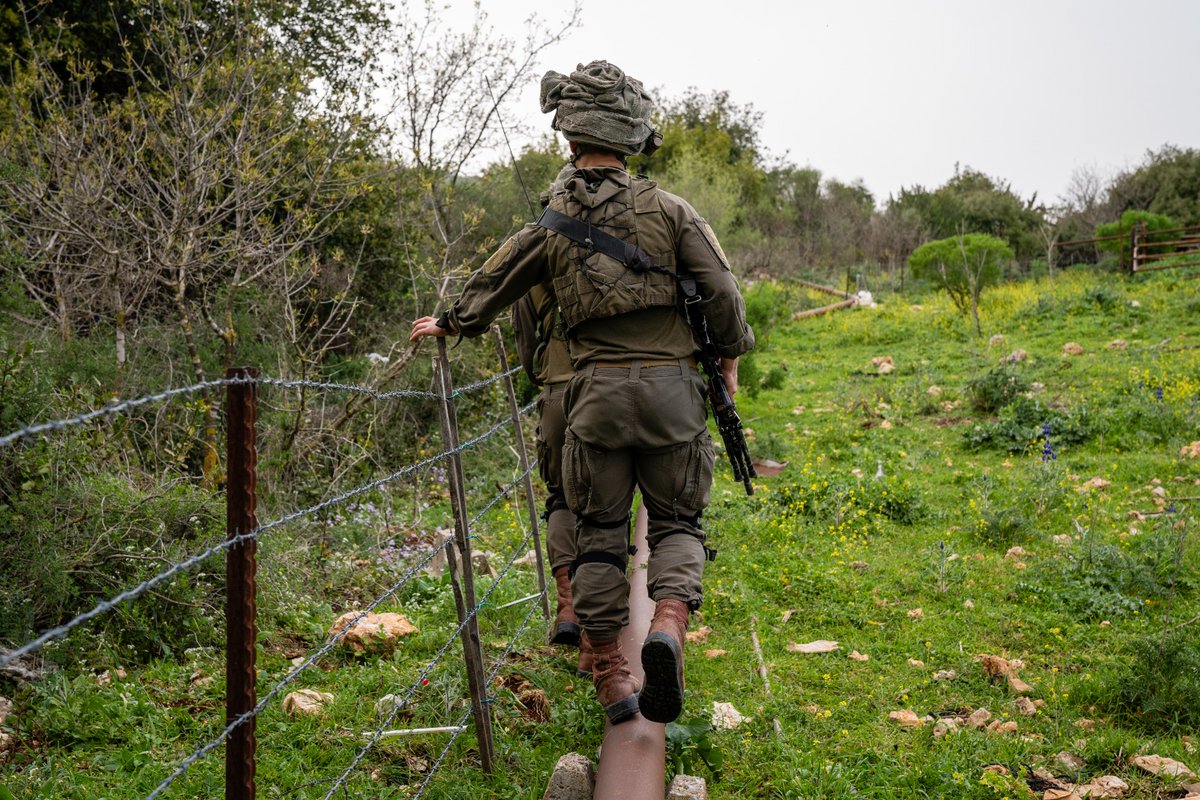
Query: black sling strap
{"x": 594, "y": 239}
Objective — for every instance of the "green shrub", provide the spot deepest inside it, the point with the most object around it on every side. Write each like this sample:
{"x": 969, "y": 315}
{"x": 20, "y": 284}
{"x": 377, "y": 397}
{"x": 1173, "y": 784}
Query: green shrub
{"x": 1021, "y": 426}
{"x": 996, "y": 388}
{"x": 1157, "y": 683}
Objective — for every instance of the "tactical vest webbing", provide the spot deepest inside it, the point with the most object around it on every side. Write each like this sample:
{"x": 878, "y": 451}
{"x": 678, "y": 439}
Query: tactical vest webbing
{"x": 613, "y": 277}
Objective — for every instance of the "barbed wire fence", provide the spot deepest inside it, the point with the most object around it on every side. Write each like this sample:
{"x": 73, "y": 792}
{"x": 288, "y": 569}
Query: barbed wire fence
{"x": 243, "y": 706}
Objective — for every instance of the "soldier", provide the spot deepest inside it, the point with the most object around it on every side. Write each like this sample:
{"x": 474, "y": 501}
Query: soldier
{"x": 635, "y": 407}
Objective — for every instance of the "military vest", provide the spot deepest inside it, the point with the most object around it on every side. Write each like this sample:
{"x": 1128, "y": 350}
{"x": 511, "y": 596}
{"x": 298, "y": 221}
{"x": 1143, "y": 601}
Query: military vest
{"x": 595, "y": 285}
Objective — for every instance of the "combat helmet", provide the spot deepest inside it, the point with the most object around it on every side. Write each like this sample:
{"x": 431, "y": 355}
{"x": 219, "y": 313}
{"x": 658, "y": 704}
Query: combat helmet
{"x": 599, "y": 104}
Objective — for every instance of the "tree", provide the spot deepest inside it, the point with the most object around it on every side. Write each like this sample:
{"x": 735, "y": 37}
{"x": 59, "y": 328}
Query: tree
{"x": 205, "y": 191}
{"x": 1166, "y": 182}
{"x": 962, "y": 266}
{"x": 973, "y": 202}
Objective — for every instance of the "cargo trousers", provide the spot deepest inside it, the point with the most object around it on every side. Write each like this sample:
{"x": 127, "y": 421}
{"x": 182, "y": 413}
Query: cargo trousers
{"x": 636, "y": 425}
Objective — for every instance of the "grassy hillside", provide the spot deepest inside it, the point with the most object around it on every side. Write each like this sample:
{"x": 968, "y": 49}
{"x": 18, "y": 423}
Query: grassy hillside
{"x": 891, "y": 530}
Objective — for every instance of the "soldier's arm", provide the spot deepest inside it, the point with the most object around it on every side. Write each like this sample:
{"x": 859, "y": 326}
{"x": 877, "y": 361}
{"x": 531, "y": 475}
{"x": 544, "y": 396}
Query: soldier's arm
{"x": 516, "y": 267}
{"x": 700, "y": 254}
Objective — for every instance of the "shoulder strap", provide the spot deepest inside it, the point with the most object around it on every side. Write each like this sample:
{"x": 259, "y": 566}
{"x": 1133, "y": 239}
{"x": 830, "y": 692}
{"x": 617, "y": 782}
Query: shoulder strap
{"x": 630, "y": 255}
{"x": 596, "y": 240}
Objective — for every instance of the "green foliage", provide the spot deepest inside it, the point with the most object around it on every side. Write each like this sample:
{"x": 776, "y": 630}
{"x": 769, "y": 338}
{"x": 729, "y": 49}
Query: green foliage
{"x": 1146, "y": 220}
{"x": 962, "y": 266}
{"x": 1167, "y": 182}
{"x": 690, "y": 744}
{"x": 1159, "y": 685}
{"x": 972, "y": 202}
{"x": 996, "y": 388}
{"x": 1020, "y": 427}
{"x": 76, "y": 540}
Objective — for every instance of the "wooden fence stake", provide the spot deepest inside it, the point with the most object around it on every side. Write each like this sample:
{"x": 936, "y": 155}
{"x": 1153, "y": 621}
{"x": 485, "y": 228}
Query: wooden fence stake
{"x": 464, "y": 595}
{"x": 523, "y": 460}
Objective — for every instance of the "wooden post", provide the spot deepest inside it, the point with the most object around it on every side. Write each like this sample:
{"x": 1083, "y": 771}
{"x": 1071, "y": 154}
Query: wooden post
{"x": 1133, "y": 246}
{"x": 464, "y": 573}
{"x": 240, "y": 583}
{"x": 523, "y": 460}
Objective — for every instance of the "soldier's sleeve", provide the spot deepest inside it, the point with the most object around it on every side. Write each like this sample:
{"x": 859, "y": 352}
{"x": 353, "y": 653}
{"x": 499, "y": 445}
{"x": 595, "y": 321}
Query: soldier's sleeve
{"x": 516, "y": 267}
{"x": 700, "y": 254}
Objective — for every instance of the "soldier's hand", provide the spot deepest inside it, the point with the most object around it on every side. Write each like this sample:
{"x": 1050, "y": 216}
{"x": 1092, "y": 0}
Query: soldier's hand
{"x": 729, "y": 370}
{"x": 426, "y": 326}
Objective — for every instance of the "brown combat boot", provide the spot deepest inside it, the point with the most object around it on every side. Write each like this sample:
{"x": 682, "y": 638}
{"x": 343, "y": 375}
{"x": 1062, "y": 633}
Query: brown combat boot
{"x": 566, "y": 624}
{"x": 583, "y": 668}
{"x": 616, "y": 688}
{"x": 661, "y": 699}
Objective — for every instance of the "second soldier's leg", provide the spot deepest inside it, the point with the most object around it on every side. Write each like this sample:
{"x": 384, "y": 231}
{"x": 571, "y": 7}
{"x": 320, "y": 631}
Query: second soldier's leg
{"x": 560, "y": 522}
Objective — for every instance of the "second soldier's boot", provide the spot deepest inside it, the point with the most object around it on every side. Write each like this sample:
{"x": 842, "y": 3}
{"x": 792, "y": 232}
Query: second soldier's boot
{"x": 661, "y": 699}
{"x": 566, "y": 624}
{"x": 616, "y": 688}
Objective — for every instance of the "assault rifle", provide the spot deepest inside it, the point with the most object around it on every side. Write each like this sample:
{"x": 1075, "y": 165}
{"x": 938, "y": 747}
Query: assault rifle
{"x": 729, "y": 424}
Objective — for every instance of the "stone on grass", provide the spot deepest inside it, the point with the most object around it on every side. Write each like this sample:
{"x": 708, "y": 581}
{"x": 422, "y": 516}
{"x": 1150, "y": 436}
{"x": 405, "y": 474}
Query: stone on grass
{"x": 1160, "y": 765}
{"x": 698, "y": 636}
{"x": 979, "y": 718}
{"x": 1015, "y": 357}
{"x": 1026, "y": 707}
{"x": 997, "y": 726}
{"x": 1072, "y": 349}
{"x": 907, "y": 720}
{"x": 1070, "y": 761}
{"x": 1190, "y": 451}
{"x": 857, "y": 656}
{"x": 945, "y": 726}
{"x": 687, "y": 787}
{"x": 818, "y": 646}
{"x": 916, "y": 662}
{"x": 306, "y": 702}
{"x": 1103, "y": 786}
{"x": 725, "y": 717}
{"x": 945, "y": 675}
{"x": 573, "y": 778}
{"x": 372, "y": 633}
{"x": 714, "y": 653}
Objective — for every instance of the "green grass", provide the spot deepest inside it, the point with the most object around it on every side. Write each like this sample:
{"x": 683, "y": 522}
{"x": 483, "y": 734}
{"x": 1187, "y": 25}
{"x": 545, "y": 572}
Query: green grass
{"x": 1086, "y": 614}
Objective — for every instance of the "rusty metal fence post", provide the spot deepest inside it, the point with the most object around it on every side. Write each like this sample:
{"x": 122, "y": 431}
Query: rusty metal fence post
{"x": 240, "y": 581}
{"x": 523, "y": 460}
{"x": 464, "y": 595}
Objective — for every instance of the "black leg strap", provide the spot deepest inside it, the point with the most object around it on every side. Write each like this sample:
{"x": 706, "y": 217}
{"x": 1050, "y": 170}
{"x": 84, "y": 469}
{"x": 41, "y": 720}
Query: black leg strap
{"x": 592, "y": 522}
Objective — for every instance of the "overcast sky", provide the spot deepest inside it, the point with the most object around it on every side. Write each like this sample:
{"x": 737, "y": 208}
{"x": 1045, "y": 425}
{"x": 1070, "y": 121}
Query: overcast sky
{"x": 896, "y": 93}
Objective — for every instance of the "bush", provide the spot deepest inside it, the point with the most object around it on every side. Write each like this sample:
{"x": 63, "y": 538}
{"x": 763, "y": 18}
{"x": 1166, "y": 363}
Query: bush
{"x": 1158, "y": 683}
{"x": 1022, "y": 426}
{"x": 996, "y": 388}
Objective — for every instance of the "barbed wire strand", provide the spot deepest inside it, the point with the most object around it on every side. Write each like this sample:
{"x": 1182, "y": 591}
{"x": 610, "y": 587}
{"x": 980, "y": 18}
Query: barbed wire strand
{"x": 534, "y": 602}
{"x": 198, "y": 754}
{"x": 116, "y": 408}
{"x": 366, "y": 748}
{"x": 125, "y": 405}
{"x": 150, "y": 583}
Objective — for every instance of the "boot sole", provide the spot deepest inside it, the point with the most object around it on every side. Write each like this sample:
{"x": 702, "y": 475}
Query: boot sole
{"x": 567, "y": 633}
{"x": 661, "y": 699}
{"x": 622, "y": 710}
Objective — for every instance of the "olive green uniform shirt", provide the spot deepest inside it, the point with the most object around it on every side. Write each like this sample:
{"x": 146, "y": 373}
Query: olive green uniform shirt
{"x": 642, "y": 316}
